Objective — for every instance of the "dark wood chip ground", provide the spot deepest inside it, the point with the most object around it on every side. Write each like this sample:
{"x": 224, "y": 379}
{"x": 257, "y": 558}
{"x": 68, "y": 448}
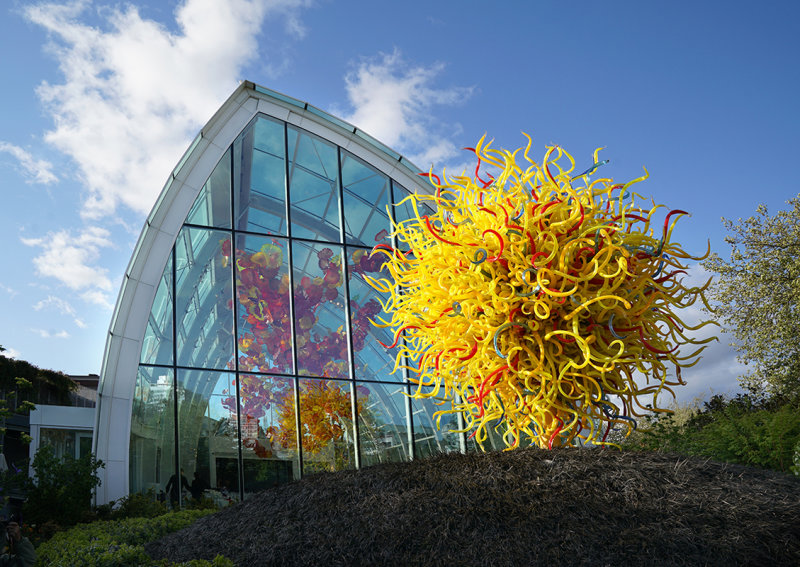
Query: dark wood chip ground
{"x": 528, "y": 507}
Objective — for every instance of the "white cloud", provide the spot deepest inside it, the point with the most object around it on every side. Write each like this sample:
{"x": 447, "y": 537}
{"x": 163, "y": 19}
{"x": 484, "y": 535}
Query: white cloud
{"x": 10, "y": 352}
{"x": 392, "y": 102}
{"x": 35, "y": 170}
{"x": 70, "y": 258}
{"x": 135, "y": 93}
{"x": 9, "y": 290}
{"x": 718, "y": 369}
{"x": 62, "y": 306}
{"x": 45, "y": 334}
{"x": 98, "y": 298}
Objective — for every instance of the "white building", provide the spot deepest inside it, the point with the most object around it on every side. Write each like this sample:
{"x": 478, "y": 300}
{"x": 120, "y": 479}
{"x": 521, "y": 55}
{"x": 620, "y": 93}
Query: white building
{"x": 241, "y": 348}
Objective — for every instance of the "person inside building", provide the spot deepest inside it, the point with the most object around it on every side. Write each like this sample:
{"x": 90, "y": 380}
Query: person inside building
{"x": 174, "y": 487}
{"x": 198, "y": 486}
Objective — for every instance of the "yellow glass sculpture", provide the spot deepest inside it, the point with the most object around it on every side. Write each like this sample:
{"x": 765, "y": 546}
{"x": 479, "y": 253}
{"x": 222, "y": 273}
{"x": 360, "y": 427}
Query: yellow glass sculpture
{"x": 529, "y": 301}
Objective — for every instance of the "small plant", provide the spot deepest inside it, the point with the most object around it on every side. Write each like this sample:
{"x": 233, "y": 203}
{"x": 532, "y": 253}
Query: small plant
{"x": 138, "y": 505}
{"x": 119, "y": 543}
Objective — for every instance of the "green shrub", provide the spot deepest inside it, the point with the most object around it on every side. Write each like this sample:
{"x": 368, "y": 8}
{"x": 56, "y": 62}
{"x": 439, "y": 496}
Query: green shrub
{"x": 796, "y": 460}
{"x": 745, "y": 430}
{"x": 62, "y": 490}
{"x": 118, "y": 543}
{"x": 138, "y": 505}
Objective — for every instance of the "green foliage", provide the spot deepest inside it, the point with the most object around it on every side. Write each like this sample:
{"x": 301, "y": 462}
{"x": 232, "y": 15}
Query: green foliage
{"x": 745, "y": 430}
{"x": 796, "y": 464}
{"x": 205, "y": 503}
{"x": 62, "y": 490}
{"x": 29, "y": 380}
{"x": 139, "y": 505}
{"x": 119, "y": 542}
{"x": 757, "y": 297}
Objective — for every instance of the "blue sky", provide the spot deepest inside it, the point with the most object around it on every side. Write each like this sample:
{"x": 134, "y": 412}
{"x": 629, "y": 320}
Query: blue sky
{"x": 100, "y": 100}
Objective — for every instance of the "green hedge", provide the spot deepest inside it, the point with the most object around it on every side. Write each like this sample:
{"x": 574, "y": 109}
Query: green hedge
{"x": 762, "y": 433}
{"x": 118, "y": 543}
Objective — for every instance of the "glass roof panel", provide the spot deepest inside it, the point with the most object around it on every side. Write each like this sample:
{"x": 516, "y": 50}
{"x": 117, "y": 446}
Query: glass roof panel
{"x": 204, "y": 298}
{"x": 372, "y": 361}
{"x": 382, "y": 423}
{"x": 263, "y": 304}
{"x": 152, "y": 439}
{"x": 327, "y": 417}
{"x": 213, "y": 205}
{"x": 366, "y": 196}
{"x": 319, "y": 310}
{"x": 260, "y": 191}
{"x": 269, "y": 431}
{"x": 313, "y": 187}
{"x": 157, "y": 343}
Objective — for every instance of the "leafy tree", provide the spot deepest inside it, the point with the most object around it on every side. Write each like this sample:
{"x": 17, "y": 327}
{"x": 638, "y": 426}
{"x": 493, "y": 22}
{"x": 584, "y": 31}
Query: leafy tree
{"x": 750, "y": 430}
{"x": 757, "y": 297}
{"x": 62, "y": 490}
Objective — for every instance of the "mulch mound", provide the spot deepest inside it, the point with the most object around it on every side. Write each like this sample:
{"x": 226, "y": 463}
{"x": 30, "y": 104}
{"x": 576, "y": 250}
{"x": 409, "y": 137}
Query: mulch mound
{"x": 528, "y": 507}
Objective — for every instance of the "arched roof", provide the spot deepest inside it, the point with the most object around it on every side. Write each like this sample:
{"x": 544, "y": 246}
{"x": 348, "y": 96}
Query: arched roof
{"x": 152, "y": 251}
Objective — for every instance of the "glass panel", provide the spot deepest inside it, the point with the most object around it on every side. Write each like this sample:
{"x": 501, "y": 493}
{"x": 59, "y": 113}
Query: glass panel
{"x": 260, "y": 193}
{"x": 262, "y": 294}
{"x": 372, "y": 361}
{"x": 213, "y": 205}
{"x": 494, "y": 439}
{"x": 313, "y": 187}
{"x": 209, "y": 441}
{"x": 269, "y": 432}
{"x": 428, "y": 438}
{"x": 204, "y": 298}
{"x": 319, "y": 310}
{"x": 406, "y": 211}
{"x": 84, "y": 444}
{"x": 157, "y": 343}
{"x": 366, "y": 194}
{"x": 382, "y": 428}
{"x": 61, "y": 440}
{"x": 327, "y": 418}
{"x": 152, "y": 445}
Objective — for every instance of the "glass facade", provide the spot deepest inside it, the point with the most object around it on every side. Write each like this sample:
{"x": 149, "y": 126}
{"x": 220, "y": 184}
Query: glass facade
{"x": 259, "y": 362}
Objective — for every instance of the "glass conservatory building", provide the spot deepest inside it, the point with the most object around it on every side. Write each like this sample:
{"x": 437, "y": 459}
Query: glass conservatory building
{"x": 241, "y": 351}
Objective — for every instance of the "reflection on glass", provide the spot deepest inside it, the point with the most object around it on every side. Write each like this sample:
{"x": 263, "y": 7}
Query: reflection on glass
{"x": 213, "y": 205}
{"x": 204, "y": 298}
{"x": 157, "y": 343}
{"x": 260, "y": 178}
{"x": 405, "y": 211}
{"x": 269, "y": 431}
{"x": 327, "y": 425}
{"x": 428, "y": 438}
{"x": 313, "y": 187}
{"x": 152, "y": 445}
{"x": 207, "y": 426}
{"x": 382, "y": 430}
{"x": 217, "y": 273}
{"x": 262, "y": 295}
{"x": 366, "y": 194}
{"x": 319, "y": 310}
{"x": 372, "y": 361}
{"x": 494, "y": 440}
